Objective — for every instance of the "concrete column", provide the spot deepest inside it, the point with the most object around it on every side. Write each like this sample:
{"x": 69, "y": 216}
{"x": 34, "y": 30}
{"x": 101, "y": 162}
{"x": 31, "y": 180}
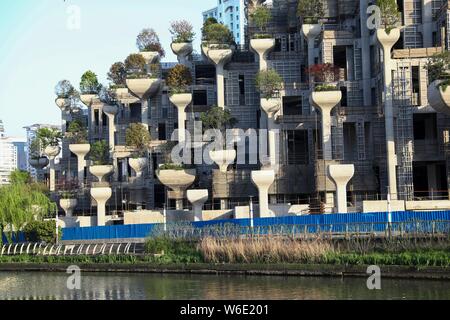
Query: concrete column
{"x": 262, "y": 47}
{"x": 101, "y": 196}
{"x": 111, "y": 112}
{"x": 341, "y": 175}
{"x": 220, "y": 57}
{"x": 326, "y": 101}
{"x": 427, "y": 23}
{"x": 181, "y": 101}
{"x": 270, "y": 108}
{"x": 387, "y": 42}
{"x": 365, "y": 53}
{"x": 311, "y": 32}
{"x": 80, "y": 150}
{"x": 198, "y": 199}
{"x": 52, "y": 152}
{"x": 263, "y": 179}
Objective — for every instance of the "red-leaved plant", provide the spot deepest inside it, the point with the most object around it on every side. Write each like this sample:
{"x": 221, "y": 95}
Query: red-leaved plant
{"x": 325, "y": 73}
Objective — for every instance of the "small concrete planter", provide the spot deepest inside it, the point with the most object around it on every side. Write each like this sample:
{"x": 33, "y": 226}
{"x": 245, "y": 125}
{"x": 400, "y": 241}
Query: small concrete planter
{"x": 223, "y": 158}
{"x": 150, "y": 56}
{"x": 388, "y": 40}
{"x": 110, "y": 110}
{"x": 270, "y": 106}
{"x": 182, "y": 49}
{"x": 263, "y": 179}
{"x": 39, "y": 163}
{"x": 63, "y": 103}
{"x": 219, "y": 56}
{"x": 101, "y": 171}
{"x": 311, "y": 31}
{"x": 262, "y": 47}
{"x": 88, "y": 99}
{"x": 80, "y": 150}
{"x": 68, "y": 205}
{"x": 326, "y": 99}
{"x": 52, "y": 151}
{"x": 198, "y": 199}
{"x": 439, "y": 99}
{"x": 177, "y": 180}
{"x": 138, "y": 165}
{"x": 144, "y": 88}
{"x": 181, "y": 100}
{"x": 101, "y": 196}
{"x": 341, "y": 175}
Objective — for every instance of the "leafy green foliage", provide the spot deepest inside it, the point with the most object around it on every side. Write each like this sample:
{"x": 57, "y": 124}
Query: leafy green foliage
{"x": 20, "y": 177}
{"x": 42, "y": 231}
{"x": 217, "y": 33}
{"x": 179, "y": 79}
{"x": 169, "y": 246}
{"x": 182, "y": 31}
{"x": 269, "y": 83}
{"x": 217, "y": 118}
{"x": 438, "y": 67}
{"x": 390, "y": 16}
{"x": 135, "y": 66}
{"x": 325, "y": 87}
{"x": 99, "y": 153}
{"x": 89, "y": 83}
{"x": 138, "y": 137}
{"x": 171, "y": 166}
{"x": 148, "y": 40}
{"x": 49, "y": 137}
{"x": 118, "y": 74}
{"x": 77, "y": 132}
{"x": 261, "y": 17}
{"x": 310, "y": 10}
{"x": 65, "y": 90}
{"x": 35, "y": 149}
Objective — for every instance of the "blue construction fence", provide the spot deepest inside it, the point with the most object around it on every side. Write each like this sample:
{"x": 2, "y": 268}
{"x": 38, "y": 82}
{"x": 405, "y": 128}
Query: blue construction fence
{"x": 313, "y": 223}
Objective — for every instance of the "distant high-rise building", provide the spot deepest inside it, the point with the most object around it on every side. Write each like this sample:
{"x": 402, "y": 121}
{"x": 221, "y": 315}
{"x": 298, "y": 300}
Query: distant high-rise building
{"x": 232, "y": 14}
{"x": 12, "y": 155}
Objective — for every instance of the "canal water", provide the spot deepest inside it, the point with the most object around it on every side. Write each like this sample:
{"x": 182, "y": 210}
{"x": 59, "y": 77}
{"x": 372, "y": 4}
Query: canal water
{"x": 120, "y": 286}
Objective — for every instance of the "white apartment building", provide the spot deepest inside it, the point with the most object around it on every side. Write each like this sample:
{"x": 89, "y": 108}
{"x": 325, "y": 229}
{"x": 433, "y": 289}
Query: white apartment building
{"x": 12, "y": 155}
{"x": 232, "y": 14}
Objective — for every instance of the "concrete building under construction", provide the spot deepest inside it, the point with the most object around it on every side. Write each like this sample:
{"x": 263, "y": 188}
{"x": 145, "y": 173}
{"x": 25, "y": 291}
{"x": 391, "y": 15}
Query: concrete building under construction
{"x": 381, "y": 139}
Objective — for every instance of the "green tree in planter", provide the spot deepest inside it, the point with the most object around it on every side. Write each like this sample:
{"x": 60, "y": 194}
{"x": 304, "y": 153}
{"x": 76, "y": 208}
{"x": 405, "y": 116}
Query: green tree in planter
{"x": 138, "y": 137}
{"x": 135, "y": 66}
{"x": 89, "y": 83}
{"x": 148, "y": 40}
{"x": 217, "y": 34}
{"x": 77, "y": 132}
{"x": 49, "y": 137}
{"x": 269, "y": 83}
{"x": 218, "y": 118}
{"x": 261, "y": 17}
{"x": 118, "y": 75}
{"x": 179, "y": 79}
{"x": 390, "y": 16}
{"x": 310, "y": 10}
{"x": 65, "y": 90}
{"x": 438, "y": 67}
{"x": 182, "y": 31}
{"x": 35, "y": 149}
{"x": 99, "y": 153}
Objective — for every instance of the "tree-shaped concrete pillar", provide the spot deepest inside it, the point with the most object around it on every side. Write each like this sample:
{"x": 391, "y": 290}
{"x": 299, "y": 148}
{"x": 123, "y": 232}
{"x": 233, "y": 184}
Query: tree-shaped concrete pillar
{"x": 52, "y": 152}
{"x": 182, "y": 50}
{"x": 341, "y": 175}
{"x": 263, "y": 179}
{"x": 68, "y": 205}
{"x": 262, "y": 47}
{"x": 80, "y": 150}
{"x": 198, "y": 199}
{"x": 311, "y": 32}
{"x": 111, "y": 112}
{"x": 219, "y": 57}
{"x": 178, "y": 181}
{"x": 271, "y": 106}
{"x": 181, "y": 101}
{"x": 387, "y": 41}
{"x": 101, "y": 196}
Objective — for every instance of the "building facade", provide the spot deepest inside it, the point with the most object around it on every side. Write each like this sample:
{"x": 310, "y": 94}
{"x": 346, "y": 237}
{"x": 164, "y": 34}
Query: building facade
{"x": 232, "y": 14}
{"x": 12, "y": 155}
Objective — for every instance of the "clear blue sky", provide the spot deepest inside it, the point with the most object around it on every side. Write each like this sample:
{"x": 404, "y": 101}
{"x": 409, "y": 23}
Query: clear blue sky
{"x": 37, "y": 49}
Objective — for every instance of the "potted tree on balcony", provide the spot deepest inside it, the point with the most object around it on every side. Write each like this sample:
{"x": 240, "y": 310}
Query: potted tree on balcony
{"x": 149, "y": 46}
{"x": 261, "y": 42}
{"x": 77, "y": 135}
{"x": 310, "y": 12}
{"x": 89, "y": 87}
{"x": 220, "y": 121}
{"x": 269, "y": 84}
{"x": 438, "y": 67}
{"x": 37, "y": 160}
{"x": 388, "y": 32}
{"x": 183, "y": 34}
{"x": 118, "y": 76}
{"x": 179, "y": 80}
{"x": 138, "y": 138}
{"x": 65, "y": 93}
{"x": 100, "y": 158}
{"x": 50, "y": 140}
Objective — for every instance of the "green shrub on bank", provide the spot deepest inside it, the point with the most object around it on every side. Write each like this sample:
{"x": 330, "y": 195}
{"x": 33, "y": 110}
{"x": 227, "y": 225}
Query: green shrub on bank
{"x": 42, "y": 231}
{"x": 170, "y": 246}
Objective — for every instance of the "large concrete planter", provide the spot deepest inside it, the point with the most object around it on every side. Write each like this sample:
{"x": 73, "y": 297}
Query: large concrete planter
{"x": 52, "y": 151}
{"x": 387, "y": 41}
{"x": 219, "y": 56}
{"x": 181, "y": 101}
{"x": 150, "y": 56}
{"x": 39, "y": 163}
{"x": 101, "y": 171}
{"x": 101, "y": 196}
{"x": 88, "y": 99}
{"x": 63, "y": 103}
{"x": 223, "y": 158}
{"x": 68, "y": 205}
{"x": 144, "y": 88}
{"x": 262, "y": 47}
{"x": 341, "y": 175}
{"x": 326, "y": 101}
{"x": 138, "y": 165}
{"x": 182, "y": 50}
{"x": 263, "y": 179}
{"x": 121, "y": 92}
{"x": 110, "y": 110}
{"x": 439, "y": 99}
{"x": 80, "y": 150}
{"x": 270, "y": 106}
{"x": 311, "y": 31}
{"x": 197, "y": 198}
{"x": 177, "y": 180}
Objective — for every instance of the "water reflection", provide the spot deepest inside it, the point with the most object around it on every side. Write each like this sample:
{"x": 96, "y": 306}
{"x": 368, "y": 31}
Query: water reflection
{"x": 114, "y": 286}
